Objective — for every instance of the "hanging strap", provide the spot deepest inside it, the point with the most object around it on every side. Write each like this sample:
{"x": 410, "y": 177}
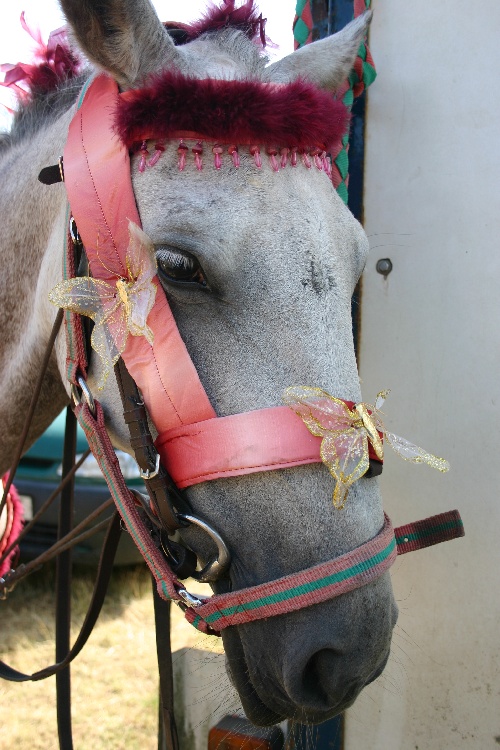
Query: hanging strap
{"x": 167, "y": 730}
{"x": 100, "y": 587}
{"x": 63, "y": 589}
{"x": 434, "y": 530}
{"x": 160, "y": 488}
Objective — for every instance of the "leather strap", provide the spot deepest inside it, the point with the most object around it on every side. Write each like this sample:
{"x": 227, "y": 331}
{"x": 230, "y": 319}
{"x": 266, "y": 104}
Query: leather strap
{"x": 99, "y": 187}
{"x": 167, "y": 730}
{"x": 260, "y": 440}
{"x": 100, "y": 587}
{"x": 63, "y": 589}
{"x": 160, "y": 488}
{"x": 430, "y": 531}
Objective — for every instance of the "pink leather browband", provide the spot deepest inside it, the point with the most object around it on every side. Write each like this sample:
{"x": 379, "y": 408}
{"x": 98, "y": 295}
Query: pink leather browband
{"x": 193, "y": 443}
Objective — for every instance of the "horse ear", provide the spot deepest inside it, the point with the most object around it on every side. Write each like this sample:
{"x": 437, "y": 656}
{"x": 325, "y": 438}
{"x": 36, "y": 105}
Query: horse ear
{"x": 326, "y": 63}
{"x": 124, "y": 37}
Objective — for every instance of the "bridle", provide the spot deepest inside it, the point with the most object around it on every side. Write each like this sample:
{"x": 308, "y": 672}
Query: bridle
{"x": 167, "y": 390}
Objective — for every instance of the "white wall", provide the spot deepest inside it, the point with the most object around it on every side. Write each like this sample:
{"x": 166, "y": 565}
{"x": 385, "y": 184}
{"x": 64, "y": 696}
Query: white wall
{"x": 431, "y": 333}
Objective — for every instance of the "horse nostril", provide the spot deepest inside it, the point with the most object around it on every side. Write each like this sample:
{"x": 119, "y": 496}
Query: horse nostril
{"x": 322, "y": 683}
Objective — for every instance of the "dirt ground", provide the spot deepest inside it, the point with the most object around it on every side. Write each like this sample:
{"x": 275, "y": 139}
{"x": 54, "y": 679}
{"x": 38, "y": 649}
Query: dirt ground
{"x": 114, "y": 679}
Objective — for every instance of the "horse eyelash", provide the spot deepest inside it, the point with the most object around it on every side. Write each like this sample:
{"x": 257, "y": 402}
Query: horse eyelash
{"x": 176, "y": 260}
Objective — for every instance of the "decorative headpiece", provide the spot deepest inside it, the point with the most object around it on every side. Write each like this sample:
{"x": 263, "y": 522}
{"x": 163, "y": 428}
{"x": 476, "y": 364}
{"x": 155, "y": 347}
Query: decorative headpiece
{"x": 246, "y": 19}
{"x": 54, "y": 63}
{"x": 291, "y": 119}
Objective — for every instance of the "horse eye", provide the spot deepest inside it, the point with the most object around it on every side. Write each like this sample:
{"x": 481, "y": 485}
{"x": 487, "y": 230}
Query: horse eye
{"x": 179, "y": 267}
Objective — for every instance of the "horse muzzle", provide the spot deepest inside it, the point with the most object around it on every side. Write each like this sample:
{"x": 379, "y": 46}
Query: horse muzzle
{"x": 310, "y": 666}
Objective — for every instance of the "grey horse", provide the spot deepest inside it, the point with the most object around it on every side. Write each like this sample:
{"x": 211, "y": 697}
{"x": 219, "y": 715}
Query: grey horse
{"x": 281, "y": 255}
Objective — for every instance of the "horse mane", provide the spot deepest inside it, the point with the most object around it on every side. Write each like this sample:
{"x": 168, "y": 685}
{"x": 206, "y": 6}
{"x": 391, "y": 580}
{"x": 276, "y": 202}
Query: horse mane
{"x": 46, "y": 88}
{"x": 41, "y": 109}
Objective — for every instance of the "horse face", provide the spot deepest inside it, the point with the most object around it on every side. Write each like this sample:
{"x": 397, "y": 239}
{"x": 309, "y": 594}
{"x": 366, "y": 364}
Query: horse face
{"x": 259, "y": 268}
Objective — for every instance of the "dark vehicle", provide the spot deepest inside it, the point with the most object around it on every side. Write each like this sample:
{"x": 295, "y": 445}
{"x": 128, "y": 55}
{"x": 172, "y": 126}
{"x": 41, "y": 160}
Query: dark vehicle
{"x": 38, "y": 475}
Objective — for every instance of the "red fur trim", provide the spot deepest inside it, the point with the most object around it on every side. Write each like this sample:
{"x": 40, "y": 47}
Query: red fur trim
{"x": 296, "y": 115}
{"x": 245, "y": 18}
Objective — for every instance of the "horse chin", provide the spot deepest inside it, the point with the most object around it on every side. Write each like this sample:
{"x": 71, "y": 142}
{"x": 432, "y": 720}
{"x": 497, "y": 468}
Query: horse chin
{"x": 236, "y": 665}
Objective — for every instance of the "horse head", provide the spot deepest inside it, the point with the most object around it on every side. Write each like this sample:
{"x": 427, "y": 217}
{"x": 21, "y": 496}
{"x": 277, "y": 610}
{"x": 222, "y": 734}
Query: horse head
{"x": 258, "y": 264}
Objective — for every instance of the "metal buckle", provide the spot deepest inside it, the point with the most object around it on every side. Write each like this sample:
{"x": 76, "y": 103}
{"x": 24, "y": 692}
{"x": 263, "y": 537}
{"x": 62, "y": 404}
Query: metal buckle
{"x": 188, "y": 599}
{"x": 86, "y": 393}
{"x": 5, "y": 589}
{"x": 148, "y": 474}
{"x": 73, "y": 230}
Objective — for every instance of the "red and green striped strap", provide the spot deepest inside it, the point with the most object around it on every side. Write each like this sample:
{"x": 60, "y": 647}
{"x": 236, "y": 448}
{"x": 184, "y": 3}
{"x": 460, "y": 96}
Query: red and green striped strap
{"x": 328, "y": 580}
{"x": 299, "y": 590}
{"x": 100, "y": 444}
{"x": 431, "y": 531}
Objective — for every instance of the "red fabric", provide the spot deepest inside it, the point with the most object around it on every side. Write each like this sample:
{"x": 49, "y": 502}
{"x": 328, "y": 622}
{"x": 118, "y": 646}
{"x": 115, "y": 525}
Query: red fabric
{"x": 14, "y": 513}
{"x": 55, "y": 63}
{"x": 307, "y": 17}
{"x": 294, "y": 115}
{"x": 359, "y": 7}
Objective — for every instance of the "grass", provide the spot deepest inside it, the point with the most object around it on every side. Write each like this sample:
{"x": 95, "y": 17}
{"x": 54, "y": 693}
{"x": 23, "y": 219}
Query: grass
{"x": 114, "y": 679}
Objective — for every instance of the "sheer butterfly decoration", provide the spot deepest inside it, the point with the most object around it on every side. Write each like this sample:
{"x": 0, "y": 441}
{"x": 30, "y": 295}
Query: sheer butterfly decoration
{"x": 117, "y": 308}
{"x": 346, "y": 433}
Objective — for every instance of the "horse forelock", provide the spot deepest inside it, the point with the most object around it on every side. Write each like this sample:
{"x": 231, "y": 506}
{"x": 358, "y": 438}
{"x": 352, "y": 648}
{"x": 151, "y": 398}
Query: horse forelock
{"x": 246, "y": 19}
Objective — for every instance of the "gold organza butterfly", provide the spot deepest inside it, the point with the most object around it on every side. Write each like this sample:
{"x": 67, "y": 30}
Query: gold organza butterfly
{"x": 117, "y": 308}
{"x": 346, "y": 432}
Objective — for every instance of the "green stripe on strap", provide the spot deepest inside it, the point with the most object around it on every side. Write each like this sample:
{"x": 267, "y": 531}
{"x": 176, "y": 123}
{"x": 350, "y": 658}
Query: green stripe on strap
{"x": 306, "y": 588}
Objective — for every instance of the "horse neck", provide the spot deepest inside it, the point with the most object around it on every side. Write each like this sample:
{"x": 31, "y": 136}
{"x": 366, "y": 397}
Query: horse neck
{"x": 31, "y": 241}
